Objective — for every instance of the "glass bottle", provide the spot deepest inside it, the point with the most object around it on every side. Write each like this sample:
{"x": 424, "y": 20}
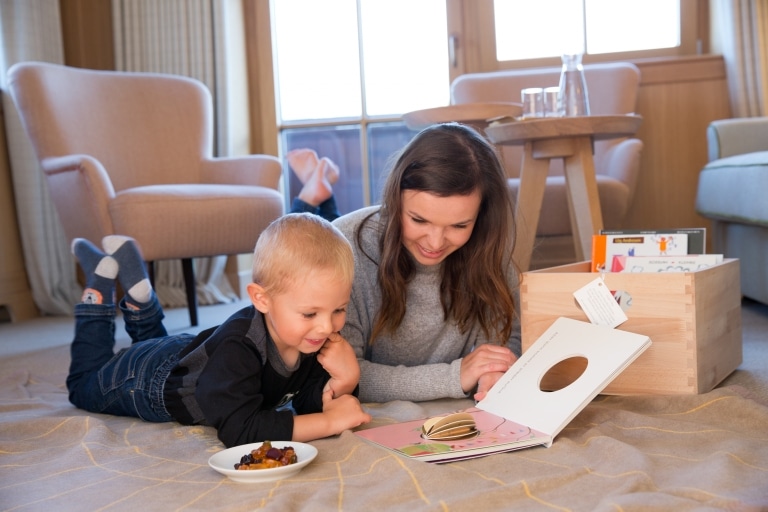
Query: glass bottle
{"x": 572, "y": 99}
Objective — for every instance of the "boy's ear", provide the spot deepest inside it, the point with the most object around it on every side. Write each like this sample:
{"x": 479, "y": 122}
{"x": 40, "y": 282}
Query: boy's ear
{"x": 259, "y": 297}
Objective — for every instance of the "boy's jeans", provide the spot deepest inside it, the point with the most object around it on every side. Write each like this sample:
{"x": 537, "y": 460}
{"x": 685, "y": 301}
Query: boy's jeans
{"x": 129, "y": 383}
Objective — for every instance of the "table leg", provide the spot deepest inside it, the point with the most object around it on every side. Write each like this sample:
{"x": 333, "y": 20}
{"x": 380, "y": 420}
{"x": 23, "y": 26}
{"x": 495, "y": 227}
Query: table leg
{"x": 583, "y": 197}
{"x": 533, "y": 181}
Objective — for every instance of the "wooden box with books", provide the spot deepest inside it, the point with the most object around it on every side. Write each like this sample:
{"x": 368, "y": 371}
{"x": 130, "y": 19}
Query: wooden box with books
{"x": 692, "y": 318}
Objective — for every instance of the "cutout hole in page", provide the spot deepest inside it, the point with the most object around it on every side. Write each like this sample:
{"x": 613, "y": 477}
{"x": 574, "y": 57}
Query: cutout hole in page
{"x": 563, "y": 374}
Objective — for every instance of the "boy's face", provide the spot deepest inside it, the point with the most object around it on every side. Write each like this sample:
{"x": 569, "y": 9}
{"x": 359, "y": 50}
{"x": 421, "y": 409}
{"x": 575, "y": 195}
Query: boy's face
{"x": 301, "y": 317}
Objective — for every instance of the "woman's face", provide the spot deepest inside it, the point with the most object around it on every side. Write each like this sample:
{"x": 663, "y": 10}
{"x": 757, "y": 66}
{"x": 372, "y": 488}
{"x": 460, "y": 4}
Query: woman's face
{"x": 434, "y": 226}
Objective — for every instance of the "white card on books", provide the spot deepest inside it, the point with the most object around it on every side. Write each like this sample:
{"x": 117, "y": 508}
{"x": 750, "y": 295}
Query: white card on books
{"x": 598, "y": 303}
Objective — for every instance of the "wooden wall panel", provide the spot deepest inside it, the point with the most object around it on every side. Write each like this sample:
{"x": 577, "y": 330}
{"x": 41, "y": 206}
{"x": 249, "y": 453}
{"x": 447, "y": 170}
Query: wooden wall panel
{"x": 678, "y": 99}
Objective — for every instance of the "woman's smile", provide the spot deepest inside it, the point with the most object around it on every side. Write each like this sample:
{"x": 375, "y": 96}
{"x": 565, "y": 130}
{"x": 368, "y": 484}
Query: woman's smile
{"x": 429, "y": 253}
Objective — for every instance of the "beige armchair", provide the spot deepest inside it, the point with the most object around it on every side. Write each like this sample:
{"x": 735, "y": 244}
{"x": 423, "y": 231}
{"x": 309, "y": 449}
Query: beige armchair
{"x": 612, "y": 90}
{"x": 131, "y": 154}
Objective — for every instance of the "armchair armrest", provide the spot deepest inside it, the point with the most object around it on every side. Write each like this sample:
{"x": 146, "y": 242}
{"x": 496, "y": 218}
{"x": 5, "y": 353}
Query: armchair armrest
{"x": 253, "y": 170}
{"x": 79, "y": 183}
{"x": 728, "y": 137}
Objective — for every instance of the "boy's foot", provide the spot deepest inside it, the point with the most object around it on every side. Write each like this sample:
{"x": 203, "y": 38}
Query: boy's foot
{"x": 318, "y": 188}
{"x": 133, "y": 274}
{"x": 100, "y": 271}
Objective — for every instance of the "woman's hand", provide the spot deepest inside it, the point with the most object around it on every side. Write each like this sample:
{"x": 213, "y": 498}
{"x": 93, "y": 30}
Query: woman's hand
{"x": 485, "y": 383}
{"x": 487, "y": 359}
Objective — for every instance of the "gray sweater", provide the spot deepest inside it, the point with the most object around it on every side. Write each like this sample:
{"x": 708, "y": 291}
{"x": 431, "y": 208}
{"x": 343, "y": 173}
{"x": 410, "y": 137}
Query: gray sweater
{"x": 422, "y": 361}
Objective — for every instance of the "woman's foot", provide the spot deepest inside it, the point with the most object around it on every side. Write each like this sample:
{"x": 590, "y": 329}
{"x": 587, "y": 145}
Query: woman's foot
{"x": 319, "y": 187}
{"x": 303, "y": 162}
{"x": 331, "y": 170}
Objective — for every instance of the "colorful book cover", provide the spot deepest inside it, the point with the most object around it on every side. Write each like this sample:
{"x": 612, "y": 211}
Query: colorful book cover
{"x": 697, "y": 237}
{"x": 606, "y": 247}
{"x": 494, "y": 434}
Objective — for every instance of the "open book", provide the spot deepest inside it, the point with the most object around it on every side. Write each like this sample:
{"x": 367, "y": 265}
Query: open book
{"x": 516, "y": 413}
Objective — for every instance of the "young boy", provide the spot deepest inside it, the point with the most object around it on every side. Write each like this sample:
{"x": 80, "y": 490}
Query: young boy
{"x": 275, "y": 370}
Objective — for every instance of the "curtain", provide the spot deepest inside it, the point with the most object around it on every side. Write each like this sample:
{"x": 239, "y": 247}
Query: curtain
{"x": 739, "y": 31}
{"x": 202, "y": 39}
{"x": 31, "y": 30}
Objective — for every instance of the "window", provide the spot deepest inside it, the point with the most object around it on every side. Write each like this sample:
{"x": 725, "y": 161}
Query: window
{"x": 346, "y": 70}
{"x": 547, "y": 28}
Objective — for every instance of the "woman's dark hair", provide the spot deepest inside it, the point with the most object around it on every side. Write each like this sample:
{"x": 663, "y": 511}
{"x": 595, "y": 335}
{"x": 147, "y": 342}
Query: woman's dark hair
{"x": 448, "y": 160}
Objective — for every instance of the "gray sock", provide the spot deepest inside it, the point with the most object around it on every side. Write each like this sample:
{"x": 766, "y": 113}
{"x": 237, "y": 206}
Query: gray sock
{"x": 100, "y": 272}
{"x": 133, "y": 274}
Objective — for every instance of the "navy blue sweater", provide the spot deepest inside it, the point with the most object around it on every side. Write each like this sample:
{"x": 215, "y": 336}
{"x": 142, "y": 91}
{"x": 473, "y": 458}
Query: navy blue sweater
{"x": 227, "y": 378}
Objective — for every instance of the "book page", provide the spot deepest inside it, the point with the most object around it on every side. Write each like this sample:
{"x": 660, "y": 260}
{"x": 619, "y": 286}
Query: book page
{"x": 689, "y": 263}
{"x": 495, "y": 434}
{"x": 517, "y": 395}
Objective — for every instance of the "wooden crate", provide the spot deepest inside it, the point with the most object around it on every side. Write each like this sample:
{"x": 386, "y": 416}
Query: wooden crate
{"x": 692, "y": 318}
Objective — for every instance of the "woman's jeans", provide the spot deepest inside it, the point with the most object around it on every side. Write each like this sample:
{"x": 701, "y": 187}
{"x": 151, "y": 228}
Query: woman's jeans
{"x": 129, "y": 383}
{"x": 326, "y": 210}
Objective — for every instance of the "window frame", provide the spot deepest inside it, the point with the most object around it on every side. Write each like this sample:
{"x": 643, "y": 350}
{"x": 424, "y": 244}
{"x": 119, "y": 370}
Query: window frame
{"x": 471, "y": 34}
{"x": 479, "y": 37}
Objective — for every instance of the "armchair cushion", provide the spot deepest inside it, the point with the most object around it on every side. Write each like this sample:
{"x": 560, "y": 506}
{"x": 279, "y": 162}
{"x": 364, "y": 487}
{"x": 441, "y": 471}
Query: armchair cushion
{"x": 192, "y": 219}
{"x": 734, "y": 189}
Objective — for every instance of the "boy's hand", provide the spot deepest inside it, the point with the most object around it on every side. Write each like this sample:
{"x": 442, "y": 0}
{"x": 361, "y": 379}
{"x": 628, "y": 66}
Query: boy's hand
{"x": 344, "y": 412}
{"x": 339, "y": 414}
{"x": 338, "y": 358}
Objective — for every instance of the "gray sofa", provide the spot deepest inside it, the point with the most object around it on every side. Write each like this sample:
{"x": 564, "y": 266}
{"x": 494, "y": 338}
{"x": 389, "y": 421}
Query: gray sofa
{"x": 733, "y": 193}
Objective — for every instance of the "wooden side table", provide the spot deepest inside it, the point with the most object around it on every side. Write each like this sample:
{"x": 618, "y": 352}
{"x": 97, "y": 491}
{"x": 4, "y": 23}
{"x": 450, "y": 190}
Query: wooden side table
{"x": 569, "y": 138}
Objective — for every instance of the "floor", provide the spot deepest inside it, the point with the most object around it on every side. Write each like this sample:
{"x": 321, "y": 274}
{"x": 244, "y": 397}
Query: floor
{"x": 44, "y": 332}
{"x": 50, "y": 331}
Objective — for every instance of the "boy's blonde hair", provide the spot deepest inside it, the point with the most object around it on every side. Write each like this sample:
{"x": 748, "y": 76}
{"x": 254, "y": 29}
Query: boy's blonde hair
{"x": 295, "y": 244}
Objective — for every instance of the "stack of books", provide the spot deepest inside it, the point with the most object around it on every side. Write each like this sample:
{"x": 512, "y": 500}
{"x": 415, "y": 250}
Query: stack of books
{"x": 675, "y": 250}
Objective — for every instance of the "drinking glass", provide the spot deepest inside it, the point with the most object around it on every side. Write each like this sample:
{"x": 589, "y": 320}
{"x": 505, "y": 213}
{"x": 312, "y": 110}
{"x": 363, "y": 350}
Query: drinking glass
{"x": 533, "y": 102}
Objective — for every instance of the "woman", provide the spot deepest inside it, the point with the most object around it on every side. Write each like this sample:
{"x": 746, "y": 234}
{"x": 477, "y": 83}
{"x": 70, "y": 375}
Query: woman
{"x": 433, "y": 310}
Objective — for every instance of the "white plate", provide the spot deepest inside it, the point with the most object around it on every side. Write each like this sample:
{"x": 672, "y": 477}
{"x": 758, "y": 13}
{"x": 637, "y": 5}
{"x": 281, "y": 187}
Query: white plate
{"x": 225, "y": 460}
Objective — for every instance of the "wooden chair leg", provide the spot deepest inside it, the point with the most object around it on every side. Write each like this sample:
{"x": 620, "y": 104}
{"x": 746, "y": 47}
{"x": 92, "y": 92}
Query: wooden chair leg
{"x": 189, "y": 283}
